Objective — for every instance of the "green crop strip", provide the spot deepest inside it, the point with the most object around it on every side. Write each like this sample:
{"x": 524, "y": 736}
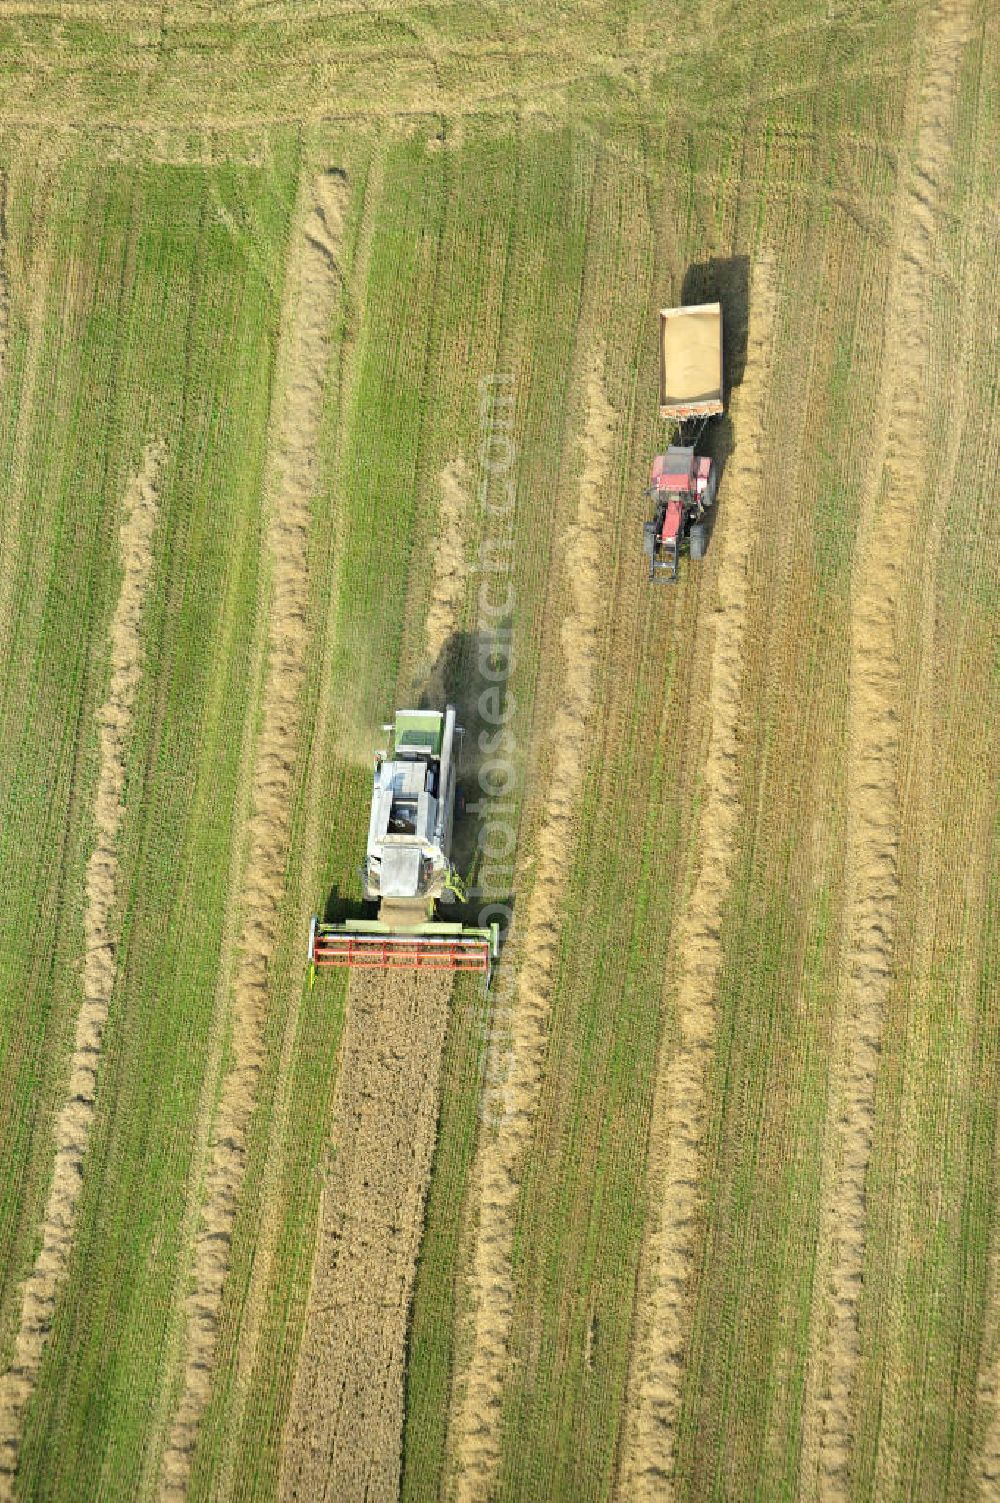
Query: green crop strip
{"x": 175, "y": 342}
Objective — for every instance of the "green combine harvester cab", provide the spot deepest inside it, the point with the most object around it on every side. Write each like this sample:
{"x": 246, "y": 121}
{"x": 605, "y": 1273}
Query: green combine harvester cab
{"x": 407, "y": 867}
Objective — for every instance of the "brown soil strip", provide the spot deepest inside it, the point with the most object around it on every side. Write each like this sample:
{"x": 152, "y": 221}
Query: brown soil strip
{"x": 72, "y": 1127}
{"x": 448, "y": 568}
{"x": 679, "y": 1104}
{"x": 475, "y": 1425}
{"x": 343, "y": 1441}
{"x": 884, "y": 561}
{"x": 312, "y": 288}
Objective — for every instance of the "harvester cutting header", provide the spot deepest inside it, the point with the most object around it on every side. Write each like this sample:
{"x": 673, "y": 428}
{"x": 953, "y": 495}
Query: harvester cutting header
{"x": 682, "y": 482}
{"x": 407, "y": 867}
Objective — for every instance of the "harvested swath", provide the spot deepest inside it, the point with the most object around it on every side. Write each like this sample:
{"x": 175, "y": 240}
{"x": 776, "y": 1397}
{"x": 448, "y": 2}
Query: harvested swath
{"x": 475, "y": 1439}
{"x": 73, "y": 1124}
{"x": 887, "y": 536}
{"x": 680, "y": 1099}
{"x": 448, "y": 571}
{"x": 343, "y": 1439}
{"x": 313, "y": 282}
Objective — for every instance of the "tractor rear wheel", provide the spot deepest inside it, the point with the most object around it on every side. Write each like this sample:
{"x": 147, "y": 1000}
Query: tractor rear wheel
{"x": 698, "y": 540}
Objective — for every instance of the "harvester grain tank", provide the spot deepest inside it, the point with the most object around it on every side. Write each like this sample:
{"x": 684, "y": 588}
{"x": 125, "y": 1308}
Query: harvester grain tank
{"x": 407, "y": 867}
{"x": 683, "y": 482}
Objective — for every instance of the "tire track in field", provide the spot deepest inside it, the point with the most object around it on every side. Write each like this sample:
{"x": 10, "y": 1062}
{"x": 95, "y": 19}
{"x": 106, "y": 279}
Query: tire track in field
{"x": 986, "y": 1464}
{"x": 475, "y": 1441}
{"x": 343, "y": 1439}
{"x": 312, "y": 289}
{"x": 72, "y": 1127}
{"x": 680, "y": 1105}
{"x": 4, "y": 280}
{"x": 886, "y": 537}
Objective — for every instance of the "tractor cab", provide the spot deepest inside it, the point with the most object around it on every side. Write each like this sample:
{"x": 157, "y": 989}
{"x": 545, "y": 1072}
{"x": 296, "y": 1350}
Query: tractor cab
{"x": 682, "y": 486}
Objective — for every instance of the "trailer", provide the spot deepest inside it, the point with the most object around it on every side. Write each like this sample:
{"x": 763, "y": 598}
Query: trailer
{"x": 683, "y": 482}
{"x": 691, "y": 362}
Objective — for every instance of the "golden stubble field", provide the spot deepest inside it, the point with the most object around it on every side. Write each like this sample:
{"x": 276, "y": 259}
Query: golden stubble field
{"x": 328, "y": 383}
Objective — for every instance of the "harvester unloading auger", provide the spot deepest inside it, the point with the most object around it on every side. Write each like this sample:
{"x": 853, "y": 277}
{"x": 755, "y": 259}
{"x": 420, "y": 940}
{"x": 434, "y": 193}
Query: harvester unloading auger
{"x": 408, "y": 867}
{"x": 682, "y": 482}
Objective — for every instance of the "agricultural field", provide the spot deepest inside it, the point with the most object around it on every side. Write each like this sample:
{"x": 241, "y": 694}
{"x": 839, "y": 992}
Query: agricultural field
{"x": 328, "y": 385}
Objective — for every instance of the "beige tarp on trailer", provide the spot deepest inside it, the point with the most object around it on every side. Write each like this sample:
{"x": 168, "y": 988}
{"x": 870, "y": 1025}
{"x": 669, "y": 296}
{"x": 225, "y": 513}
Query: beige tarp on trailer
{"x": 691, "y": 361}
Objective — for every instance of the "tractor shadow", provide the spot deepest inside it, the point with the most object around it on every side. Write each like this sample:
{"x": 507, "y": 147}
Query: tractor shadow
{"x": 726, "y": 280}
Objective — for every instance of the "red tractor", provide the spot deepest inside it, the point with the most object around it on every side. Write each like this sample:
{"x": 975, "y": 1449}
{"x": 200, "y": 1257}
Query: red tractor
{"x": 683, "y": 486}
{"x": 683, "y": 483}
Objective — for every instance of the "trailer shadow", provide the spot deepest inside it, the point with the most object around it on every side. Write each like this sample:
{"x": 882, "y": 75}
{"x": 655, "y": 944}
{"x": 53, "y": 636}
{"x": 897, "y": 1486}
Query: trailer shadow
{"x": 726, "y": 280}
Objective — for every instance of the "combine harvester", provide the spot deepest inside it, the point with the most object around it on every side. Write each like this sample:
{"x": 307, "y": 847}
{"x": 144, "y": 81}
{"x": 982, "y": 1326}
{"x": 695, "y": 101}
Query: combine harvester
{"x": 408, "y": 867}
{"x": 682, "y": 482}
